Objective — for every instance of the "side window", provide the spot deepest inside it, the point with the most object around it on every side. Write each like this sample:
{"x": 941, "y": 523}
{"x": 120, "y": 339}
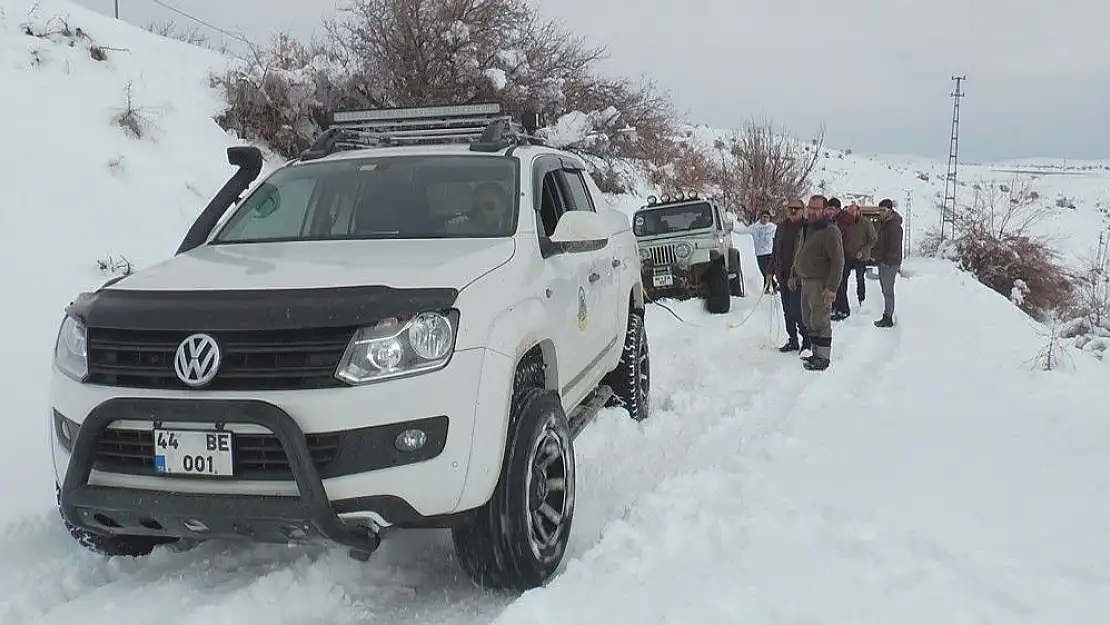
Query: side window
{"x": 576, "y": 190}
{"x": 274, "y": 212}
{"x": 551, "y": 204}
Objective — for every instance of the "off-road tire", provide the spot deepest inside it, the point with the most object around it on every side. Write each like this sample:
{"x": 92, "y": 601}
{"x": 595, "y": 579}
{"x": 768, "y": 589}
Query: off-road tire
{"x": 111, "y": 545}
{"x": 631, "y": 380}
{"x": 494, "y": 544}
{"x": 736, "y": 283}
{"x": 717, "y": 299}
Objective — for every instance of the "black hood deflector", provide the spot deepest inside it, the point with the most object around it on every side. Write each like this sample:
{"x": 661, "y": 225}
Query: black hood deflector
{"x": 269, "y": 309}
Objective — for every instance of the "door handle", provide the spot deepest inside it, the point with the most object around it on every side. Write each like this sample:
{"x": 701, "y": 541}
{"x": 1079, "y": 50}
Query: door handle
{"x": 547, "y": 292}
{"x": 594, "y": 277}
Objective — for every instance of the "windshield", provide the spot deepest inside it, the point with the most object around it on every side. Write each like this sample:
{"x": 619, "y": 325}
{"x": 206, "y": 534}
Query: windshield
{"x": 391, "y": 197}
{"x": 673, "y": 219}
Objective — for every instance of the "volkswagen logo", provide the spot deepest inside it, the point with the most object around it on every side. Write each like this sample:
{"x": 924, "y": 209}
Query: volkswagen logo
{"x": 197, "y": 360}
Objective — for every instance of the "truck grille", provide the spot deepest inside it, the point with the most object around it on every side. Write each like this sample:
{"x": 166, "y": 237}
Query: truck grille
{"x": 663, "y": 255}
{"x": 251, "y": 360}
{"x": 256, "y": 456}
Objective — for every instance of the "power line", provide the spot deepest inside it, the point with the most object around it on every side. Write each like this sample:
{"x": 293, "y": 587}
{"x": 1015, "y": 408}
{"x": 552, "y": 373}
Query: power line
{"x": 199, "y": 21}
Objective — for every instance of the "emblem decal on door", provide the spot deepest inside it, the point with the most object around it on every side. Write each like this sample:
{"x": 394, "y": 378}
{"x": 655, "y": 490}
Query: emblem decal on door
{"x": 581, "y": 308}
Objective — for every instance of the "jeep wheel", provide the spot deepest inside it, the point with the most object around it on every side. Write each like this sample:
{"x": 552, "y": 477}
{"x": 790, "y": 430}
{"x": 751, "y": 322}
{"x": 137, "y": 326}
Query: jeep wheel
{"x": 631, "y": 380}
{"x": 110, "y": 544}
{"x": 717, "y": 301}
{"x": 735, "y": 282}
{"x": 517, "y": 539}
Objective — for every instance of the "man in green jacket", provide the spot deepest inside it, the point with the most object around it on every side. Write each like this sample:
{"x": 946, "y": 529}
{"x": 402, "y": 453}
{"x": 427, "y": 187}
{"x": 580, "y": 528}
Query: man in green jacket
{"x": 818, "y": 270}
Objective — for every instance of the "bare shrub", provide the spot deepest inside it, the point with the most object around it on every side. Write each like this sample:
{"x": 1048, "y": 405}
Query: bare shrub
{"x": 386, "y": 53}
{"x": 117, "y": 265}
{"x": 768, "y": 167}
{"x": 132, "y": 118}
{"x": 993, "y": 240}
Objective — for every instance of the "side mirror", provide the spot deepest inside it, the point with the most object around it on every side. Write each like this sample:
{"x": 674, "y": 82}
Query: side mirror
{"x": 580, "y": 231}
{"x": 729, "y": 221}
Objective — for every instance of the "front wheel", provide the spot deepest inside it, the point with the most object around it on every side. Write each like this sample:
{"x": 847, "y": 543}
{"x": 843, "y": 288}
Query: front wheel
{"x": 111, "y": 545}
{"x": 718, "y": 300}
{"x": 517, "y": 539}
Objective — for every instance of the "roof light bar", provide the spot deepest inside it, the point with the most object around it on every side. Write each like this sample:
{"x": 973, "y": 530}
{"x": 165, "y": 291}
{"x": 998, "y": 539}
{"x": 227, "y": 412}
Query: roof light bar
{"x": 416, "y": 112}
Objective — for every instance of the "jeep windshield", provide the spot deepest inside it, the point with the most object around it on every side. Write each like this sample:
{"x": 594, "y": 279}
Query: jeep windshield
{"x": 389, "y": 197}
{"x": 668, "y": 219}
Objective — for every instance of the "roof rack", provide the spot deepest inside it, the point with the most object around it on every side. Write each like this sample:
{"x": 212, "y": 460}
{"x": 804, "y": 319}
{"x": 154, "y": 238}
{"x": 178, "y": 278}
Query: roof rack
{"x": 483, "y": 126}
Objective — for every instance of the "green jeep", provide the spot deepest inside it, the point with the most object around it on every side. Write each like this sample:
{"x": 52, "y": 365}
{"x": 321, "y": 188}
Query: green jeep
{"x": 686, "y": 250}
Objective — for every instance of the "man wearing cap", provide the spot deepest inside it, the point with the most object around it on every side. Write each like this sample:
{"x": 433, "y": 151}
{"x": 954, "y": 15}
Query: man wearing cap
{"x": 817, "y": 270}
{"x": 888, "y": 254}
{"x": 782, "y": 257}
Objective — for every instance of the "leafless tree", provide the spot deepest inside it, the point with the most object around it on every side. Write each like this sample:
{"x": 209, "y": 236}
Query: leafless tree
{"x": 384, "y": 53}
{"x": 768, "y": 167}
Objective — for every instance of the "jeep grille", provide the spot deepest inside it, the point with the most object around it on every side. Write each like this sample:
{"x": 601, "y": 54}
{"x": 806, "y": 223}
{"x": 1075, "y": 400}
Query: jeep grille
{"x": 251, "y": 360}
{"x": 663, "y": 255}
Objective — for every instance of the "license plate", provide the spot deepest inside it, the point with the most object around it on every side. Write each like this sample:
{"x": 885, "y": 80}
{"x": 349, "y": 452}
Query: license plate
{"x": 663, "y": 280}
{"x": 193, "y": 452}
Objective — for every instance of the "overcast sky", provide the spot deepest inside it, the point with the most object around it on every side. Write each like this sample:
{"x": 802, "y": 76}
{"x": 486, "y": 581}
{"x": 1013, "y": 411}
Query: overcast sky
{"x": 876, "y": 73}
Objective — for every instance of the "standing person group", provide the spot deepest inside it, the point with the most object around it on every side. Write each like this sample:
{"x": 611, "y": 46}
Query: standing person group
{"x": 812, "y": 256}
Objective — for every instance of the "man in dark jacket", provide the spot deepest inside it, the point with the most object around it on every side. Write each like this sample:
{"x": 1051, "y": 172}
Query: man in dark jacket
{"x": 888, "y": 254}
{"x": 817, "y": 270}
{"x": 858, "y": 236}
{"x": 782, "y": 258}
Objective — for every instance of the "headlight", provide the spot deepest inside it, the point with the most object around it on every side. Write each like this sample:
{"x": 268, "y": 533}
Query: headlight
{"x": 645, "y": 254}
{"x": 683, "y": 250}
{"x": 392, "y": 349}
{"x": 71, "y": 352}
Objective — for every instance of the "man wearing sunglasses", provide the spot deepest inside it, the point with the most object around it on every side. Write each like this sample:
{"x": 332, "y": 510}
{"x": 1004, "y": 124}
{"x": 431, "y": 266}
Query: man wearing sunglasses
{"x": 782, "y": 258}
{"x": 489, "y": 214}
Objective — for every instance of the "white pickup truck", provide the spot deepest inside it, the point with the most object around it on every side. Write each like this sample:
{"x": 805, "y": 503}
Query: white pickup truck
{"x": 406, "y": 326}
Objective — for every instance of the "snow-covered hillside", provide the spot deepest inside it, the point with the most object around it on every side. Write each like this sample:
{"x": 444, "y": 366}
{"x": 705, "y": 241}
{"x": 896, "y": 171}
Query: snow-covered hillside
{"x": 933, "y": 474}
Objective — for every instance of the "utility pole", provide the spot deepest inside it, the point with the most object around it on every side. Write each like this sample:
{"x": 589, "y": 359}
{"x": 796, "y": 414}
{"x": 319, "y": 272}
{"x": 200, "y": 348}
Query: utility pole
{"x": 117, "y": 9}
{"x": 948, "y": 209}
{"x": 907, "y": 241}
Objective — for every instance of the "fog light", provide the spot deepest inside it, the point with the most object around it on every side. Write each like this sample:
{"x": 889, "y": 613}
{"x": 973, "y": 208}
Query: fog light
{"x": 410, "y": 440}
{"x": 194, "y": 525}
{"x": 67, "y": 432}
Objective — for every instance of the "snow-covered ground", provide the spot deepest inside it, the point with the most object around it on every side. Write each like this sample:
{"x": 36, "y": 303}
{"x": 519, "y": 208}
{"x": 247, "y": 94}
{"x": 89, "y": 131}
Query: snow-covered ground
{"x": 932, "y": 475}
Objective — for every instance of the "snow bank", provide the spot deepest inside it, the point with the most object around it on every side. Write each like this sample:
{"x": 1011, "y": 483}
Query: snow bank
{"x": 79, "y": 189}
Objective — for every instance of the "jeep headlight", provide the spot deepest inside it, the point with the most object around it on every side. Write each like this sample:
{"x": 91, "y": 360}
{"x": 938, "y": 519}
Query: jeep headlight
{"x": 682, "y": 251}
{"x": 71, "y": 351}
{"x": 645, "y": 254}
{"x": 395, "y": 348}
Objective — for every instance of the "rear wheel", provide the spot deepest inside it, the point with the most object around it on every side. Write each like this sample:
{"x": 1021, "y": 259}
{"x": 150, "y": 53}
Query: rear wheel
{"x": 631, "y": 380}
{"x": 517, "y": 539}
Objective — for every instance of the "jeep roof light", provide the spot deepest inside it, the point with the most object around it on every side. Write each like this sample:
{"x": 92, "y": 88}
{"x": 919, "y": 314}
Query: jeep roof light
{"x": 667, "y": 198}
{"x": 484, "y": 126}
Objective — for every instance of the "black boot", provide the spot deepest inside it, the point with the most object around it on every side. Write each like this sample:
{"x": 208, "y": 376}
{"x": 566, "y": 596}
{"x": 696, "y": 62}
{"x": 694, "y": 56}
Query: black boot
{"x": 816, "y": 363}
{"x": 886, "y": 322}
{"x": 790, "y": 346}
